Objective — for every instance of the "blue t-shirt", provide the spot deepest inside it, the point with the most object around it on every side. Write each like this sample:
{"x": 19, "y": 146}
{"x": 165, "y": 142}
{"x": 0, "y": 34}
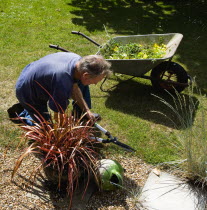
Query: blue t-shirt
{"x": 48, "y": 79}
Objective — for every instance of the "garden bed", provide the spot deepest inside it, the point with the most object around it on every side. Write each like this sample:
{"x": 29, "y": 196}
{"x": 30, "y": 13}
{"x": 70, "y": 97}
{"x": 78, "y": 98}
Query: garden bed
{"x": 15, "y": 195}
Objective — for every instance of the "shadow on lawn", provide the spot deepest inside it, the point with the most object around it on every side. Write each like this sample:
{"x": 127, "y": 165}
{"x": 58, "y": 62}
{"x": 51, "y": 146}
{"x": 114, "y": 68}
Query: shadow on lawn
{"x": 131, "y": 17}
{"x": 134, "y": 98}
{"x": 125, "y": 17}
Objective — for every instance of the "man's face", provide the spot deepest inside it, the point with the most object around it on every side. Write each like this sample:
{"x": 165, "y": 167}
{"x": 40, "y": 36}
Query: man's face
{"x": 87, "y": 79}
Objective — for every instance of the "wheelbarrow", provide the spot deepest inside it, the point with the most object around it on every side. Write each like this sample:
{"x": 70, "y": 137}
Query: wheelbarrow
{"x": 165, "y": 74}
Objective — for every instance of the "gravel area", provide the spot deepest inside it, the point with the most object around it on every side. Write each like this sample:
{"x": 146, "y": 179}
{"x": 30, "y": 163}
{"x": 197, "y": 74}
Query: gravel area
{"x": 17, "y": 194}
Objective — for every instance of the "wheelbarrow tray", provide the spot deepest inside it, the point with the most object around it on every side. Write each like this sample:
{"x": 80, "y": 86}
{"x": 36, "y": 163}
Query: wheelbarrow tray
{"x": 139, "y": 67}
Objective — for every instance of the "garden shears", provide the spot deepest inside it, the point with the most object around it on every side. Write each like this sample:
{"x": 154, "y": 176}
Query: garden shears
{"x": 111, "y": 139}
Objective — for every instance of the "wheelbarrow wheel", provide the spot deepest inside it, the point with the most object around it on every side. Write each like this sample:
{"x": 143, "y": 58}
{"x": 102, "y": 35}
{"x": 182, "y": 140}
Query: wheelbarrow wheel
{"x": 169, "y": 76}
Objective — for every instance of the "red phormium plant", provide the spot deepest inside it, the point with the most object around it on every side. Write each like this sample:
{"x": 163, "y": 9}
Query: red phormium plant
{"x": 64, "y": 147}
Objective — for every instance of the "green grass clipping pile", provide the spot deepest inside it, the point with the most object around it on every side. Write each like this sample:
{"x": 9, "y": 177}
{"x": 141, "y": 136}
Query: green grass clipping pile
{"x": 116, "y": 51}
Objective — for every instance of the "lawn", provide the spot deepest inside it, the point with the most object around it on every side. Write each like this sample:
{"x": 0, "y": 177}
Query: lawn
{"x": 28, "y": 27}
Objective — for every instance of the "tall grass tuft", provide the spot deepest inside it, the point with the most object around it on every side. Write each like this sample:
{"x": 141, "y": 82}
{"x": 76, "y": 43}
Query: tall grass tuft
{"x": 65, "y": 148}
{"x": 182, "y": 108}
{"x": 190, "y": 118}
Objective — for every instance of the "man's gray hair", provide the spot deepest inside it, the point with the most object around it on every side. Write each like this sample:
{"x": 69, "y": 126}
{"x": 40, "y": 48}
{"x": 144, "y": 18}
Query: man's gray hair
{"x": 94, "y": 65}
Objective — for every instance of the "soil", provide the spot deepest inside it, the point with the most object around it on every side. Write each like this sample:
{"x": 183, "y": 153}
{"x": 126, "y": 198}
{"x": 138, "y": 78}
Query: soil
{"x": 19, "y": 194}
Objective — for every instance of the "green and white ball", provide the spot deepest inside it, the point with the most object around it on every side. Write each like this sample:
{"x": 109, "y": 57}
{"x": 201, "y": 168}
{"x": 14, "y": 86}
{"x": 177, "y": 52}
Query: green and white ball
{"x": 111, "y": 174}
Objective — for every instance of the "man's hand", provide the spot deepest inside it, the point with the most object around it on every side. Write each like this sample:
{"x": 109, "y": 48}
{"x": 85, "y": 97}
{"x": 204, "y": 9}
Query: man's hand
{"x": 91, "y": 117}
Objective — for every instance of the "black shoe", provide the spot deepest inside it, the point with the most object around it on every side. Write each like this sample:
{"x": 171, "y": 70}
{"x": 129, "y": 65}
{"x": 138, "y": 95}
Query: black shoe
{"x": 14, "y": 112}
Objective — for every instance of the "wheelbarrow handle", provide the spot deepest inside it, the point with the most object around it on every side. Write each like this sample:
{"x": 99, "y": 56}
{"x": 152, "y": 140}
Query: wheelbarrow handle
{"x": 58, "y": 48}
{"x": 76, "y": 32}
{"x": 79, "y": 33}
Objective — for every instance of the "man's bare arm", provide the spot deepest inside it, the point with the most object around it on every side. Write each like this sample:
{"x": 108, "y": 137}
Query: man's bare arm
{"x": 77, "y": 96}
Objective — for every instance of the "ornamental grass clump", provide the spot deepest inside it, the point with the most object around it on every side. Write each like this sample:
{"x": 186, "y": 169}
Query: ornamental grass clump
{"x": 65, "y": 148}
{"x": 190, "y": 118}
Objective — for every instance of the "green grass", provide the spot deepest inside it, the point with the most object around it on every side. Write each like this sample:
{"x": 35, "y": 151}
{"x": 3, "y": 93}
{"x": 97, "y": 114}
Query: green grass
{"x": 28, "y": 27}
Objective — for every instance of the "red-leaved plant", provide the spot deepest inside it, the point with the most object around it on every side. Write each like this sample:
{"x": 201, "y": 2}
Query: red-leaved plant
{"x": 66, "y": 148}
